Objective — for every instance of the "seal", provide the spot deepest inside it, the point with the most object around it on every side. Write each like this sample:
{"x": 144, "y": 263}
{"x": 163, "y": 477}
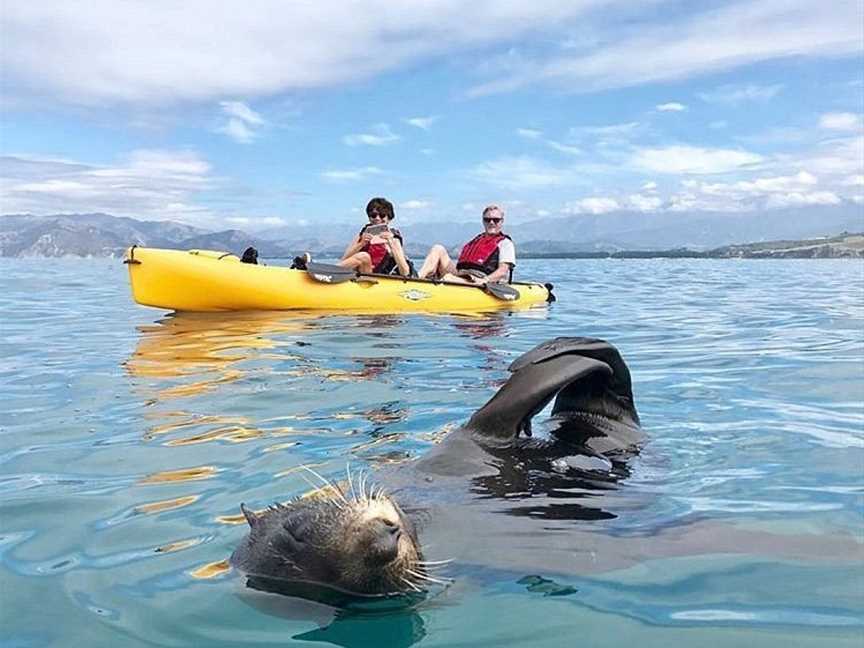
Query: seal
{"x": 360, "y": 540}
{"x": 361, "y": 543}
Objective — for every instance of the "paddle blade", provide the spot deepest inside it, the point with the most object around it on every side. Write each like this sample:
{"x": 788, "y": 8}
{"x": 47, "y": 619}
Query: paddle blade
{"x": 502, "y": 291}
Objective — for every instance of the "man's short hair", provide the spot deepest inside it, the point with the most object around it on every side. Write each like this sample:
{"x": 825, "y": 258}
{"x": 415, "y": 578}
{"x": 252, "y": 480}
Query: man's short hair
{"x": 493, "y": 208}
{"x": 382, "y": 206}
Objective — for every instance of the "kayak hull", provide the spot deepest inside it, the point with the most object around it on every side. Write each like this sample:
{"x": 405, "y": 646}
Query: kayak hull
{"x": 205, "y": 280}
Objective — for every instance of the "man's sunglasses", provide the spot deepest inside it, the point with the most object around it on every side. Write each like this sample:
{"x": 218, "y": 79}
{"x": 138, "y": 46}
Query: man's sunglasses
{"x": 492, "y": 220}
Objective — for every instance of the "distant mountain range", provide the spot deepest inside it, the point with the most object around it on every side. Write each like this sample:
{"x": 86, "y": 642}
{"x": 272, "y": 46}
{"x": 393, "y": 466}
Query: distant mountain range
{"x": 101, "y": 235}
{"x": 97, "y": 235}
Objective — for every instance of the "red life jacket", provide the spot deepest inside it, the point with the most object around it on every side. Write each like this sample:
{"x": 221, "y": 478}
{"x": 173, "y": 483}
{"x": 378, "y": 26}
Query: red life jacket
{"x": 481, "y": 253}
{"x": 382, "y": 261}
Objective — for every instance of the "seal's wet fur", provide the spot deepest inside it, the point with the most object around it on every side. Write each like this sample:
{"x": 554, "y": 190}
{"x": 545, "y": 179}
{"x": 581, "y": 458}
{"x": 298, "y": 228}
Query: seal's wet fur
{"x": 360, "y": 543}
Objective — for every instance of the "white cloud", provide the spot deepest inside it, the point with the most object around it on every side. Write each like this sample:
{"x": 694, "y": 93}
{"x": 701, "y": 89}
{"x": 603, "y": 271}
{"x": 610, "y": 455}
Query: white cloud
{"x": 523, "y": 173}
{"x": 238, "y": 131}
{"x": 841, "y": 121}
{"x": 424, "y": 123}
{"x": 381, "y": 135}
{"x": 564, "y": 148}
{"x": 529, "y": 133}
{"x": 735, "y": 94}
{"x": 644, "y": 203}
{"x": 265, "y": 221}
{"x": 672, "y": 106}
{"x": 649, "y": 186}
{"x": 800, "y": 199}
{"x": 349, "y": 175}
{"x": 610, "y": 131}
{"x": 241, "y": 111}
{"x": 769, "y": 192}
{"x": 104, "y": 51}
{"x": 243, "y": 122}
{"x": 686, "y": 45}
{"x": 415, "y": 204}
{"x": 840, "y": 156}
{"x": 692, "y": 159}
{"x": 537, "y": 135}
{"x": 593, "y": 205}
{"x": 149, "y": 184}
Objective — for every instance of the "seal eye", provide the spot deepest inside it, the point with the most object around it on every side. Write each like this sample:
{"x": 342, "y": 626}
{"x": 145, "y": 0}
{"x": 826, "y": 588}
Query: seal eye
{"x": 390, "y": 527}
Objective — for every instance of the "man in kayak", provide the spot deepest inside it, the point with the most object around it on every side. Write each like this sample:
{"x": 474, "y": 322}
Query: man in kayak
{"x": 377, "y": 248}
{"x": 487, "y": 258}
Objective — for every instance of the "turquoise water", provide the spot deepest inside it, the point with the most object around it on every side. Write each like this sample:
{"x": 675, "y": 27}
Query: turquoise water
{"x": 129, "y": 436}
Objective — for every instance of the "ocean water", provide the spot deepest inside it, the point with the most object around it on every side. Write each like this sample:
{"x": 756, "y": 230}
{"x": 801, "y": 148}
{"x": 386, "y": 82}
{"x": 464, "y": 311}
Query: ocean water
{"x": 129, "y": 436}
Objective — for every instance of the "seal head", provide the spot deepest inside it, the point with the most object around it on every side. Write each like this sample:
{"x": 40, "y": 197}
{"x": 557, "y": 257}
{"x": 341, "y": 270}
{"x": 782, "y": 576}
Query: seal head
{"x": 365, "y": 546}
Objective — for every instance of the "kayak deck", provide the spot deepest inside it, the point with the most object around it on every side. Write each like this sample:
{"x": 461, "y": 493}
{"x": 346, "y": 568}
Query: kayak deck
{"x": 205, "y": 280}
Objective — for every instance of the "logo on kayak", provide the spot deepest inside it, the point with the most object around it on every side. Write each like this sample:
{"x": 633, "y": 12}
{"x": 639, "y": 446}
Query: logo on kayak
{"x": 415, "y": 295}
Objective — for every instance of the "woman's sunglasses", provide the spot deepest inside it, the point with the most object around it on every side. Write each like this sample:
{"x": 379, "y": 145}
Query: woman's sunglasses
{"x": 492, "y": 220}
{"x": 376, "y": 214}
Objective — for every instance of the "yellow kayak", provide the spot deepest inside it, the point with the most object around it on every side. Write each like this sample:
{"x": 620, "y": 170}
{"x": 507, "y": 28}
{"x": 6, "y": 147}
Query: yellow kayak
{"x": 207, "y": 280}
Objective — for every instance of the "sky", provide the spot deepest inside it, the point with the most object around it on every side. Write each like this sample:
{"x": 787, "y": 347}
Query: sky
{"x": 271, "y": 114}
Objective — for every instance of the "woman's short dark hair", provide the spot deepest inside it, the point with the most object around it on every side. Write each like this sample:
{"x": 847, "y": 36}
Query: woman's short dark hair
{"x": 382, "y": 206}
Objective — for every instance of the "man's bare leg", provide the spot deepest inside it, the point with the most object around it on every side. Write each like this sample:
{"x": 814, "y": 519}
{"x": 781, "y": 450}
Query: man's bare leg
{"x": 437, "y": 262}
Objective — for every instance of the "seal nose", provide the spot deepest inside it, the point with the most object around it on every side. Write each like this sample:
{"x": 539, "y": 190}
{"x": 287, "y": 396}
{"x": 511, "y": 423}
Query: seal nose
{"x": 385, "y": 543}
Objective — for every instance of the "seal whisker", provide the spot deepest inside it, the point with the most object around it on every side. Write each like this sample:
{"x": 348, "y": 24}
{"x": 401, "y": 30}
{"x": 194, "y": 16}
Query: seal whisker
{"x": 410, "y": 584}
{"x": 435, "y": 562}
{"x": 361, "y": 496}
{"x": 363, "y": 477}
{"x": 435, "y": 569}
{"x": 316, "y": 488}
{"x": 426, "y": 577}
{"x": 350, "y": 481}
{"x": 327, "y": 482}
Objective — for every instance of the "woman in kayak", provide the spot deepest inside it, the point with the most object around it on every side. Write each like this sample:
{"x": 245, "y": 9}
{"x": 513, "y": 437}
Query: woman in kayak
{"x": 379, "y": 250}
{"x": 487, "y": 258}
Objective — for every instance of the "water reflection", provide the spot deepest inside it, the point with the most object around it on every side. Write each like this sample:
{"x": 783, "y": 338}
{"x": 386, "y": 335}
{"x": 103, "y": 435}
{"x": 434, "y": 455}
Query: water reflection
{"x": 345, "y": 620}
{"x": 190, "y": 344}
{"x": 353, "y": 630}
{"x": 189, "y": 357}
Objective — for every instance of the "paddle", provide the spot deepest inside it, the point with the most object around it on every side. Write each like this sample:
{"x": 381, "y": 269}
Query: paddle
{"x": 501, "y": 291}
{"x": 326, "y": 273}
{"x": 334, "y": 274}
{"x": 497, "y": 290}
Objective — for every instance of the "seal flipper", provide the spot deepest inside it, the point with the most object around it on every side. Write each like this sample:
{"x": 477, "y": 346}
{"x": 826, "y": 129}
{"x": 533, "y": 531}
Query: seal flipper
{"x": 531, "y": 387}
{"x": 584, "y": 375}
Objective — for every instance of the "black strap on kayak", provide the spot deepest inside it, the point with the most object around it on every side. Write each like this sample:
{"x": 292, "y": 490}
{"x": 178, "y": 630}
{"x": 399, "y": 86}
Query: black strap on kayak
{"x": 131, "y": 260}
